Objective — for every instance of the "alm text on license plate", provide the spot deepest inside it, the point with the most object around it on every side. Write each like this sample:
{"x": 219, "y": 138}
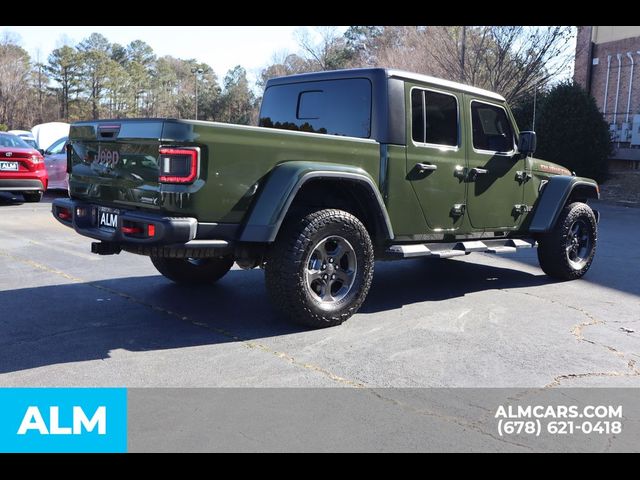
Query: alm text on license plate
{"x": 9, "y": 166}
{"x": 108, "y": 218}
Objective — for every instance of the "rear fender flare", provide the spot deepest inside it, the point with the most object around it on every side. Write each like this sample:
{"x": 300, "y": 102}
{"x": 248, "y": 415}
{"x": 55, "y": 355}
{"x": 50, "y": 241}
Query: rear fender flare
{"x": 281, "y": 186}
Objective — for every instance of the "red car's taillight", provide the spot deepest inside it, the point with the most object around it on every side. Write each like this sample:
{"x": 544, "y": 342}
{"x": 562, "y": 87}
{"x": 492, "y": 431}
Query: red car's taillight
{"x": 178, "y": 165}
{"x": 36, "y": 159}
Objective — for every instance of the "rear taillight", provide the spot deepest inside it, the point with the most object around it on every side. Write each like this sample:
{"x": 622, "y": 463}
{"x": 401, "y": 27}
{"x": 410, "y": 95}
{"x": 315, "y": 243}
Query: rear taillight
{"x": 178, "y": 165}
{"x": 138, "y": 229}
{"x": 131, "y": 230}
{"x": 64, "y": 213}
{"x": 36, "y": 159}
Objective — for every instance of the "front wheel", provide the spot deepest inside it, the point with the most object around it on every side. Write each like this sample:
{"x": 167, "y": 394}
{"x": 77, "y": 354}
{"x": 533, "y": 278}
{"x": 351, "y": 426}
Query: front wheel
{"x": 193, "y": 271}
{"x": 320, "y": 268}
{"x": 567, "y": 251}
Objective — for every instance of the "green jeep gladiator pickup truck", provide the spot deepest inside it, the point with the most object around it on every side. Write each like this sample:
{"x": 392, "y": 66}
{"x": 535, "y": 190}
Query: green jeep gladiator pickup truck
{"x": 345, "y": 167}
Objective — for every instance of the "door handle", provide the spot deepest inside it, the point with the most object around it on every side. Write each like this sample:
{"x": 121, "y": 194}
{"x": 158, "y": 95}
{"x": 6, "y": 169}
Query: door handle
{"x": 474, "y": 172}
{"x": 426, "y": 167}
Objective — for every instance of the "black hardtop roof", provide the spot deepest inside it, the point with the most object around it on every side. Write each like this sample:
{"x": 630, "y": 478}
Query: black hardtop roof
{"x": 379, "y": 74}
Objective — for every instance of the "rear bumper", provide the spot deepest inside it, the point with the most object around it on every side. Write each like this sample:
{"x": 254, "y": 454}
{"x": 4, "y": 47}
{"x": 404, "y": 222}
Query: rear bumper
{"x": 170, "y": 232}
{"x": 21, "y": 185}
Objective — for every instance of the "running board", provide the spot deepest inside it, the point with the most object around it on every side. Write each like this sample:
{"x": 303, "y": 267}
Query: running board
{"x": 448, "y": 250}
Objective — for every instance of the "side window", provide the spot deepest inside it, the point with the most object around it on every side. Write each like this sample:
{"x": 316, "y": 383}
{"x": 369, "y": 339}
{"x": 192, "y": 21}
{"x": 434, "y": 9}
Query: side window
{"x": 491, "y": 128}
{"x": 335, "y": 107}
{"x": 434, "y": 118}
{"x": 417, "y": 115}
{"x": 310, "y": 105}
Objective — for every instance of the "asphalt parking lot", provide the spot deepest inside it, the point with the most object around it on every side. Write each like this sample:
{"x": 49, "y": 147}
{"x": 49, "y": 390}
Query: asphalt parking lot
{"x": 70, "y": 318}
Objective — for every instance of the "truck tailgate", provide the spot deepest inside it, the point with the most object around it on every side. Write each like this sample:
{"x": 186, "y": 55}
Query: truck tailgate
{"x": 116, "y": 161}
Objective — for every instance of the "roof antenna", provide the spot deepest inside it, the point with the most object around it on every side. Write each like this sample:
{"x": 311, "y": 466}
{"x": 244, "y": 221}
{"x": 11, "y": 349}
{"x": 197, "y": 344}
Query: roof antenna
{"x": 535, "y": 94}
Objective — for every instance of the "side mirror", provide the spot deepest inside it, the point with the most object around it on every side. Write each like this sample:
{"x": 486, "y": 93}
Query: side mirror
{"x": 41, "y": 150}
{"x": 527, "y": 143}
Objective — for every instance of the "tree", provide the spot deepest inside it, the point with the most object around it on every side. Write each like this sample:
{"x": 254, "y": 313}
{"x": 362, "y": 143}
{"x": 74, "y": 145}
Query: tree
{"x": 511, "y": 60}
{"x": 237, "y": 100}
{"x": 362, "y": 41}
{"x": 283, "y": 64}
{"x": 118, "y": 53}
{"x": 64, "y": 69}
{"x": 330, "y": 52}
{"x": 208, "y": 94}
{"x": 140, "y": 63}
{"x": 95, "y": 59}
{"x": 141, "y": 52}
{"x": 164, "y": 83}
{"x": 321, "y": 49}
{"x": 14, "y": 83}
{"x": 117, "y": 86}
{"x": 572, "y": 132}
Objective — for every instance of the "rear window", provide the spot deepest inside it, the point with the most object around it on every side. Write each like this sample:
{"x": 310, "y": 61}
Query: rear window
{"x": 10, "y": 140}
{"x": 335, "y": 107}
{"x": 434, "y": 118}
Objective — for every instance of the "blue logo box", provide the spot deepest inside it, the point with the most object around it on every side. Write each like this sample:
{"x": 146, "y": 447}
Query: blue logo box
{"x": 63, "y": 420}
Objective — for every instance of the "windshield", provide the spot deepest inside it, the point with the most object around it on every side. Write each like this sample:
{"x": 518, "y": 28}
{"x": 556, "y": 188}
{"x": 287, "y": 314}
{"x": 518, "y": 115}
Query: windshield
{"x": 57, "y": 147}
{"x": 9, "y": 140}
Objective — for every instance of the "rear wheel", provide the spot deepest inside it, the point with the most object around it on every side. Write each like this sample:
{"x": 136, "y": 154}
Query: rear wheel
{"x": 193, "y": 271}
{"x": 319, "y": 271}
{"x": 32, "y": 197}
{"x": 567, "y": 251}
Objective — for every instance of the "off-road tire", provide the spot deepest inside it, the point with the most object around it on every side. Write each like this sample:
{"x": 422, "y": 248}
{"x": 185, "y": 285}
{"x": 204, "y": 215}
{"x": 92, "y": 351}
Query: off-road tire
{"x": 287, "y": 268}
{"x": 555, "y": 247}
{"x": 189, "y": 271}
{"x": 32, "y": 197}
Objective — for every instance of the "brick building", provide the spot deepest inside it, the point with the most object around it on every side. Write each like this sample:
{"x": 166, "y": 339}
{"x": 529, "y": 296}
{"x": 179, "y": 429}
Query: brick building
{"x": 608, "y": 66}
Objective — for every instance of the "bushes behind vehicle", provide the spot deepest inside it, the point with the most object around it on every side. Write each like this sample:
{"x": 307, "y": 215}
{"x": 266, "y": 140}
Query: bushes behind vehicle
{"x": 571, "y": 130}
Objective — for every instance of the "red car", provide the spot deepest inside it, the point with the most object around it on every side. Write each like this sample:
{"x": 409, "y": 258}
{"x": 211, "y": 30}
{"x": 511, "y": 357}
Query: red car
{"x": 22, "y": 168}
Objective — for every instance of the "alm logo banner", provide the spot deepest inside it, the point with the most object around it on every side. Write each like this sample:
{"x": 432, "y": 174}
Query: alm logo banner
{"x": 63, "y": 420}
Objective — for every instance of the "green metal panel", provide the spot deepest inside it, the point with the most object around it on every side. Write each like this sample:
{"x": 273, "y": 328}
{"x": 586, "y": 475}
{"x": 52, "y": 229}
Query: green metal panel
{"x": 234, "y": 160}
{"x": 437, "y": 190}
{"x": 402, "y": 203}
{"x": 240, "y": 157}
{"x": 492, "y": 196}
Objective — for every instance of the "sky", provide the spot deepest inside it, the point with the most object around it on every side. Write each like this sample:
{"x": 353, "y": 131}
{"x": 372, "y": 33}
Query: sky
{"x": 222, "y": 47}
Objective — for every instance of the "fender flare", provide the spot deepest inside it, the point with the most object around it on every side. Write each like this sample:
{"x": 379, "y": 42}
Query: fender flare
{"x": 281, "y": 186}
{"x": 554, "y": 198}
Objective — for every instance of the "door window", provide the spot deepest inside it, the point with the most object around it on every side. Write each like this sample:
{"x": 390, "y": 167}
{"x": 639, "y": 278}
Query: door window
{"x": 435, "y": 118}
{"x": 492, "y": 130}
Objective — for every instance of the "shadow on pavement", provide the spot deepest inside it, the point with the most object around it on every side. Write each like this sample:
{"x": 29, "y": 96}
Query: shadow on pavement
{"x": 617, "y": 261}
{"x": 9, "y": 199}
{"x": 410, "y": 281}
{"x": 77, "y": 322}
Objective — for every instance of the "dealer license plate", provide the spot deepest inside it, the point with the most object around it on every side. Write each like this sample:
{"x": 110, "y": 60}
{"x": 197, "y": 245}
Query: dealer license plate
{"x": 108, "y": 218}
{"x": 9, "y": 166}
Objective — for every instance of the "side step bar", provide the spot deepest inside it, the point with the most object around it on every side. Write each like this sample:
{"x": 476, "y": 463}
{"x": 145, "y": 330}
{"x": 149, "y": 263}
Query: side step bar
{"x": 448, "y": 250}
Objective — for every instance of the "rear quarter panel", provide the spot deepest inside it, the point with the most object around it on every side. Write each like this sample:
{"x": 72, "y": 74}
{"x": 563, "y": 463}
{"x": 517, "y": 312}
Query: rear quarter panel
{"x": 239, "y": 157}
